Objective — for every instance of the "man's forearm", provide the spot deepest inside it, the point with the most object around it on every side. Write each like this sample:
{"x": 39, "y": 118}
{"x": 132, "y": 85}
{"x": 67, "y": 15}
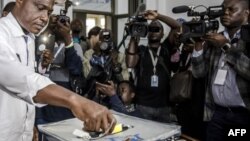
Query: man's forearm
{"x": 132, "y": 56}
{"x": 172, "y": 23}
{"x": 55, "y": 95}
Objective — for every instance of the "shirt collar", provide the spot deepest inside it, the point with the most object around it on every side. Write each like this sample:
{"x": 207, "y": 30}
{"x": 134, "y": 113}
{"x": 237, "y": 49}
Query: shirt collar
{"x": 236, "y": 35}
{"x": 16, "y": 29}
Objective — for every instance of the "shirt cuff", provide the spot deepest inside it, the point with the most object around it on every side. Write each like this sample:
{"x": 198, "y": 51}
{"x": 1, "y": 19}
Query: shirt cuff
{"x": 37, "y": 82}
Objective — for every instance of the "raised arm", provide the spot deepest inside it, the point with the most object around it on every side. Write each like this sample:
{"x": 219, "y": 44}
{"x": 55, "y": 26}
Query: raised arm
{"x": 132, "y": 53}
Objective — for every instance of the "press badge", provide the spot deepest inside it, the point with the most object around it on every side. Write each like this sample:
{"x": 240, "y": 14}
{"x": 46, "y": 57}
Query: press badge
{"x": 220, "y": 77}
{"x": 154, "y": 81}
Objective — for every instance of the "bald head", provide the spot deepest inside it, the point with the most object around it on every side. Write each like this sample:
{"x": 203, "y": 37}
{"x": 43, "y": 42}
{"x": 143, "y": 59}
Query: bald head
{"x": 33, "y": 15}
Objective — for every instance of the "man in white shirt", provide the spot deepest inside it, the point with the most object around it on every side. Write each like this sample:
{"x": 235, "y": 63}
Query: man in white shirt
{"x": 21, "y": 88}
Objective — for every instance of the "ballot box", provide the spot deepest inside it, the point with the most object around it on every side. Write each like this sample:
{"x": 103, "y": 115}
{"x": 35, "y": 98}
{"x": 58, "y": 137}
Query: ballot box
{"x": 141, "y": 130}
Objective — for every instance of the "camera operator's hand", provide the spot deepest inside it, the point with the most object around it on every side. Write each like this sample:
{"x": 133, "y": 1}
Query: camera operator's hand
{"x": 47, "y": 58}
{"x": 107, "y": 89}
{"x": 150, "y": 15}
{"x": 64, "y": 31}
{"x": 215, "y": 39}
{"x": 114, "y": 56}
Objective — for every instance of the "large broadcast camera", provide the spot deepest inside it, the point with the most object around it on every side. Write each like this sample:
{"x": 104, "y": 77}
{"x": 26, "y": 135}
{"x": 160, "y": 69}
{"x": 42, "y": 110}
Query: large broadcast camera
{"x": 205, "y": 23}
{"x": 137, "y": 26}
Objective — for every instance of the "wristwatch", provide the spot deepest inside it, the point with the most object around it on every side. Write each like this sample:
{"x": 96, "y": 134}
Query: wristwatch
{"x": 225, "y": 47}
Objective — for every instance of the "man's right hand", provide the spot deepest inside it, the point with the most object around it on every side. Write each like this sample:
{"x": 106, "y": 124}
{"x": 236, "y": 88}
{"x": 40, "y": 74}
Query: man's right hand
{"x": 96, "y": 117}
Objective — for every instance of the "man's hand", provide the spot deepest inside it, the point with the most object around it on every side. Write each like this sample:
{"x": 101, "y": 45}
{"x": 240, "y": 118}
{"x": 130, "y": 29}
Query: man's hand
{"x": 35, "y": 134}
{"x": 96, "y": 117}
{"x": 64, "y": 31}
{"x": 47, "y": 58}
{"x": 106, "y": 89}
{"x": 151, "y": 15}
{"x": 216, "y": 39}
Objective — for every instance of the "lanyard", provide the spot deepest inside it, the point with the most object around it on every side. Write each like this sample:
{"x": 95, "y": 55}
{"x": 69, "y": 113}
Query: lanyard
{"x": 59, "y": 50}
{"x": 155, "y": 59}
{"x": 56, "y": 54}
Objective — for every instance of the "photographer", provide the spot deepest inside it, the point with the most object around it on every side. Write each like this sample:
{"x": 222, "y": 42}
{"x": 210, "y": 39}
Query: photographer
{"x": 224, "y": 62}
{"x": 76, "y": 27}
{"x": 153, "y": 68}
{"x": 106, "y": 64}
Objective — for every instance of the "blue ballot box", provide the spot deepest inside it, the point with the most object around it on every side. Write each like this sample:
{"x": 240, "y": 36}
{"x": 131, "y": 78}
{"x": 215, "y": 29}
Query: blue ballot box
{"x": 141, "y": 130}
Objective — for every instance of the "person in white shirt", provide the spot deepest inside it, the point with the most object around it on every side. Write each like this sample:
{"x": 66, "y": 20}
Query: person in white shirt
{"x": 21, "y": 89}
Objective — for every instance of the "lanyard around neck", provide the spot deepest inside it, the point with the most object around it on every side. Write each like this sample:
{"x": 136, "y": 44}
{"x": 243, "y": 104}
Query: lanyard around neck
{"x": 154, "y": 59}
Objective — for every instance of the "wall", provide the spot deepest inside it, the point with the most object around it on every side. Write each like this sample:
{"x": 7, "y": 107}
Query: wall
{"x": 162, "y": 6}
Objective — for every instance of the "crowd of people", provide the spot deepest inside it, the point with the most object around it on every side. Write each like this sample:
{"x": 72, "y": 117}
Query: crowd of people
{"x": 65, "y": 75}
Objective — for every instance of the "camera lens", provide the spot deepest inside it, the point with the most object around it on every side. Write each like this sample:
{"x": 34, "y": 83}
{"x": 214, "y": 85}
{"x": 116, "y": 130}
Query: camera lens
{"x": 139, "y": 28}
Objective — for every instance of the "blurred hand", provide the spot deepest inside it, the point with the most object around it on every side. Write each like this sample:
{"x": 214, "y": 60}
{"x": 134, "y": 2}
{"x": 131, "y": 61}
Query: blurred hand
{"x": 150, "y": 15}
{"x": 216, "y": 39}
{"x": 95, "y": 116}
{"x": 188, "y": 48}
{"x": 107, "y": 89}
{"x": 114, "y": 56}
{"x": 35, "y": 135}
{"x": 64, "y": 30}
{"x": 47, "y": 58}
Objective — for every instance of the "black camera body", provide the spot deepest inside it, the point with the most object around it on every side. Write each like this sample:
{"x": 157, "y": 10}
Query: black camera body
{"x": 107, "y": 44}
{"x": 205, "y": 24}
{"x": 62, "y": 18}
{"x": 195, "y": 29}
{"x": 138, "y": 26}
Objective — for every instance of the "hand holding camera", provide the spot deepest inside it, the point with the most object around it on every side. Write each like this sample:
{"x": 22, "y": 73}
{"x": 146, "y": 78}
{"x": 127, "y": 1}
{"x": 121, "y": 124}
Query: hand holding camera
{"x": 216, "y": 39}
{"x": 151, "y": 15}
{"x": 64, "y": 31}
{"x": 107, "y": 89}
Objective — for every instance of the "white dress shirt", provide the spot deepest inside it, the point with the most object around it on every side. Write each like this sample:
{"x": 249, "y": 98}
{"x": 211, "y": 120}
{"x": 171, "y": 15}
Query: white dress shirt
{"x": 18, "y": 82}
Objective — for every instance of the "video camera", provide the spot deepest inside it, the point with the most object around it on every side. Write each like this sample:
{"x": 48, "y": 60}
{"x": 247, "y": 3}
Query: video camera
{"x": 137, "y": 26}
{"x": 205, "y": 23}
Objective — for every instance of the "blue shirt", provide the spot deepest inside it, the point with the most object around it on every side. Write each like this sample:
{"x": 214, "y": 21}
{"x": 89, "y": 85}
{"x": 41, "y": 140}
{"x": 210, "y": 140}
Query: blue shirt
{"x": 227, "y": 95}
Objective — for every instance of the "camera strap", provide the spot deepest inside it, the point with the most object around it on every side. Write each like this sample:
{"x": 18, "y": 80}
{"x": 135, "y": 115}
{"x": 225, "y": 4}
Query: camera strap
{"x": 55, "y": 56}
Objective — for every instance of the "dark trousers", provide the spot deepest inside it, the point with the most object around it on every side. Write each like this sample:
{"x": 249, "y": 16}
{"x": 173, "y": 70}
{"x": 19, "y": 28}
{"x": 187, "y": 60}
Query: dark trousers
{"x": 226, "y": 119}
{"x": 161, "y": 114}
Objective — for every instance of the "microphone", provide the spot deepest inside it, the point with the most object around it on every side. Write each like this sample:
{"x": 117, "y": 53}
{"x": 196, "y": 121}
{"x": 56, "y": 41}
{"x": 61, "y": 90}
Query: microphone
{"x": 140, "y": 9}
{"x": 181, "y": 9}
